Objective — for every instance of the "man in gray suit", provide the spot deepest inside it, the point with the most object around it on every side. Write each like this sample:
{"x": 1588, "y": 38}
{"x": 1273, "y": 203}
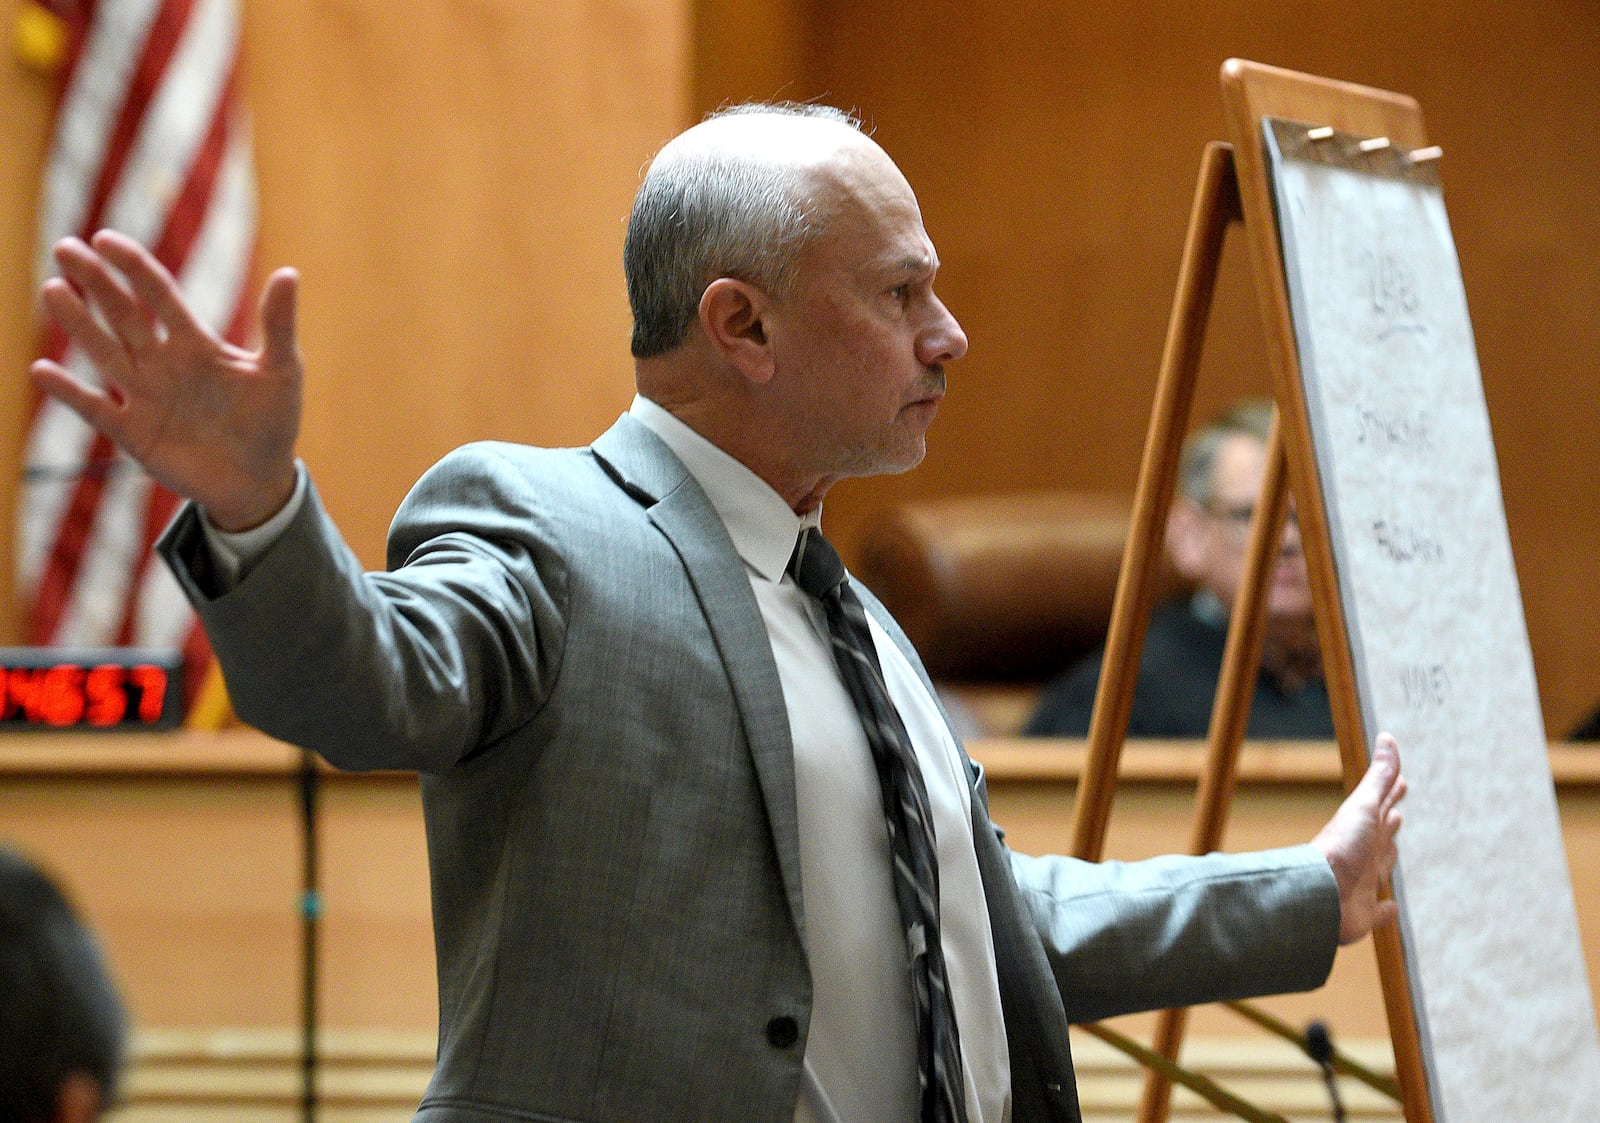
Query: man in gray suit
{"x": 661, "y": 883}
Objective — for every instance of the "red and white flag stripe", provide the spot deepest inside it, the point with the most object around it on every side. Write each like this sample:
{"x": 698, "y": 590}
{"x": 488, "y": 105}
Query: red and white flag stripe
{"x": 151, "y": 139}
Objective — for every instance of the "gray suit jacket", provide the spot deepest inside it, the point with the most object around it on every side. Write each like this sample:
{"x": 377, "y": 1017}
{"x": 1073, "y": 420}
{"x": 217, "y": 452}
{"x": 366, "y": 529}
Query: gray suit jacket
{"x": 567, "y": 648}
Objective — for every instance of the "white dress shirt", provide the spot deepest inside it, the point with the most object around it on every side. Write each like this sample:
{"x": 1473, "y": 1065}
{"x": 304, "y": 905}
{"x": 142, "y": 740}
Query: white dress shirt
{"x": 861, "y": 1055}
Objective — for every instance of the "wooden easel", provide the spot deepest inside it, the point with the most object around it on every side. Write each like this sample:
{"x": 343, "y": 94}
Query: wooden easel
{"x": 1233, "y": 187}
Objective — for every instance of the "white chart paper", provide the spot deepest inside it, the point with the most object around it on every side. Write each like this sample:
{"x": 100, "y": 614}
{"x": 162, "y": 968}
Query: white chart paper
{"x": 1434, "y": 614}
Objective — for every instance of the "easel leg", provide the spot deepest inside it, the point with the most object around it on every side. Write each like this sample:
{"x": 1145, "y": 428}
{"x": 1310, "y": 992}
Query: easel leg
{"x": 1229, "y": 717}
{"x": 1403, "y": 1035}
{"x": 1216, "y": 204}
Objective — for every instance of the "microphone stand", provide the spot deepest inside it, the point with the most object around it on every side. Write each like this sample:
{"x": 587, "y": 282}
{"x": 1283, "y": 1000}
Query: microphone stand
{"x": 1319, "y": 1047}
{"x": 310, "y": 913}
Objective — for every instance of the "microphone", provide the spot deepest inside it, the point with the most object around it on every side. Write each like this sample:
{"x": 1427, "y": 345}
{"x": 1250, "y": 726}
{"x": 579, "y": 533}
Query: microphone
{"x": 1319, "y": 1047}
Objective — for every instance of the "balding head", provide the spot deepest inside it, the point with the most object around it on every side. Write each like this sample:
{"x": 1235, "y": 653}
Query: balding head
{"x": 735, "y": 196}
{"x": 782, "y": 288}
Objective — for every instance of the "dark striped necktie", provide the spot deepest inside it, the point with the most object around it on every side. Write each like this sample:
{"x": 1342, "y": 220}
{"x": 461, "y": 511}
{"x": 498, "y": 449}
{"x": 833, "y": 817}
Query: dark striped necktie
{"x": 816, "y": 568}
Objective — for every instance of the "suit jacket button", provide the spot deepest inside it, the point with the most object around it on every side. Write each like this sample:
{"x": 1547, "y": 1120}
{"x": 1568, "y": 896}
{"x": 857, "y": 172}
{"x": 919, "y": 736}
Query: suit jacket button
{"x": 783, "y": 1032}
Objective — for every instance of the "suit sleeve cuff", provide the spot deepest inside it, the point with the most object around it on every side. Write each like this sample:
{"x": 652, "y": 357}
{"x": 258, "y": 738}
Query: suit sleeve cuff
{"x": 234, "y": 553}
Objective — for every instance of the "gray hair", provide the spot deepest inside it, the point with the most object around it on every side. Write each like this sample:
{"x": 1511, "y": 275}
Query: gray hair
{"x": 713, "y": 214}
{"x": 1248, "y": 417}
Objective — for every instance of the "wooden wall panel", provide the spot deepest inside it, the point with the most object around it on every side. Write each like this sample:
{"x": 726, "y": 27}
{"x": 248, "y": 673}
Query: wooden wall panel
{"x": 25, "y": 101}
{"x": 451, "y": 178}
{"x": 1055, "y": 145}
{"x": 753, "y": 51}
{"x": 191, "y": 874}
{"x": 184, "y": 853}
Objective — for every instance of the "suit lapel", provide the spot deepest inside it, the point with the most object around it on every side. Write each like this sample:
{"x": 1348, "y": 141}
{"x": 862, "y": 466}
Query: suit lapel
{"x": 644, "y": 466}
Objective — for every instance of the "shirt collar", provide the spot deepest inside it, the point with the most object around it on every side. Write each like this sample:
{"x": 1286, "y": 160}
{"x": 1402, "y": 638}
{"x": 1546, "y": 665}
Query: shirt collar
{"x": 763, "y": 527}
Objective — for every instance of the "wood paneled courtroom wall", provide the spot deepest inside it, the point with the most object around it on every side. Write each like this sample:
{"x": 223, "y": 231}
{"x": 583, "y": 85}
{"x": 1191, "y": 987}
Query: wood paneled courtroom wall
{"x": 452, "y": 177}
{"x": 1055, "y": 146}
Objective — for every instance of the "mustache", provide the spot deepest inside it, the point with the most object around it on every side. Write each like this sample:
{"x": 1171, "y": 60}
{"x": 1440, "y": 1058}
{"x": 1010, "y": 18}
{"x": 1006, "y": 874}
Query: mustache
{"x": 933, "y": 380}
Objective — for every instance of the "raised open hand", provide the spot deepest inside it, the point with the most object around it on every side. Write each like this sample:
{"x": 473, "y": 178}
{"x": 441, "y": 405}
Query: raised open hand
{"x": 210, "y": 420}
{"x": 1359, "y": 843}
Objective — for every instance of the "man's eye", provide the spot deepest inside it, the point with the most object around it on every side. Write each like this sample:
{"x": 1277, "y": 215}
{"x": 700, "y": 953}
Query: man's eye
{"x": 900, "y": 292}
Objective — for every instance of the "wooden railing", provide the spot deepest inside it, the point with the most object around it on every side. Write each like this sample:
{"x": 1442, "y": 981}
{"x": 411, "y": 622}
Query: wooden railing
{"x": 378, "y": 1076}
{"x": 184, "y": 852}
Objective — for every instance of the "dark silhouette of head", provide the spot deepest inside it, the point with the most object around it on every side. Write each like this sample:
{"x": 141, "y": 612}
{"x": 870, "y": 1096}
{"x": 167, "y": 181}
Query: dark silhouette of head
{"x": 62, "y": 1026}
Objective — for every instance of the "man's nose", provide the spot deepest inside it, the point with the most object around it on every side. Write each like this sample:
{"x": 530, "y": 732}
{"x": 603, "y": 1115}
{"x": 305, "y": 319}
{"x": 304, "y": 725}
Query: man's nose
{"x": 943, "y": 341}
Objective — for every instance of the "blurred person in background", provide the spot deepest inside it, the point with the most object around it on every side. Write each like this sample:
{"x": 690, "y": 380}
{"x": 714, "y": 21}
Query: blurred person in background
{"x": 1208, "y": 531}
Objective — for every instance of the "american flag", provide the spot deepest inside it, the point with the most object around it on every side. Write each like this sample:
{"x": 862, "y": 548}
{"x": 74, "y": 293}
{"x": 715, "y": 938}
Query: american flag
{"x": 151, "y": 139}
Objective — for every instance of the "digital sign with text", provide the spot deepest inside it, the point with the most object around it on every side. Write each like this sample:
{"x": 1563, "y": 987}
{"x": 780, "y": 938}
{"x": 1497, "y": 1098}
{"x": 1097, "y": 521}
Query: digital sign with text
{"x": 90, "y": 688}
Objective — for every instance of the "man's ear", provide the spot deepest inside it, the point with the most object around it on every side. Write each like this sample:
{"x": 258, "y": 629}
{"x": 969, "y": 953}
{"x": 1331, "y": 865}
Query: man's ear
{"x": 732, "y": 316}
{"x": 78, "y": 1099}
{"x": 1185, "y": 537}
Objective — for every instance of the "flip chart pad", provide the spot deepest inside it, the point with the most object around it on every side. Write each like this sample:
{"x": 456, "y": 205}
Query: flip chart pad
{"x": 1402, "y": 443}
